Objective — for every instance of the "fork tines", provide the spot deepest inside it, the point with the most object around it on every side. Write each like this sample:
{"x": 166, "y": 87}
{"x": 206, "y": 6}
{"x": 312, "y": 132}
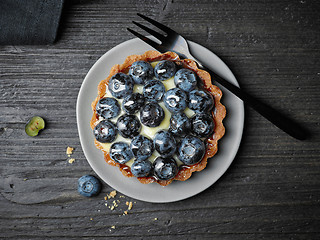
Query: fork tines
{"x": 157, "y": 35}
{"x": 145, "y": 39}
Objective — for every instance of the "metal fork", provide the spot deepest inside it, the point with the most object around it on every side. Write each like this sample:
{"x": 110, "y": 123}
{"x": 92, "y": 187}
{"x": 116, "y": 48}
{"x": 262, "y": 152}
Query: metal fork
{"x": 173, "y": 41}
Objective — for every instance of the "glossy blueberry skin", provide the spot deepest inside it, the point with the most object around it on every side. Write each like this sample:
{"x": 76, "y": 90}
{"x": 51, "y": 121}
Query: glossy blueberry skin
{"x": 191, "y": 150}
{"x": 154, "y": 90}
{"x": 121, "y": 85}
{"x": 120, "y": 152}
{"x": 108, "y": 108}
{"x": 89, "y": 186}
{"x": 185, "y": 79}
{"x": 133, "y": 103}
{"x": 165, "y": 69}
{"x": 142, "y": 147}
{"x": 164, "y": 143}
{"x": 175, "y": 100}
{"x": 128, "y": 126}
{"x": 141, "y": 168}
{"x": 165, "y": 168}
{"x": 180, "y": 124}
{"x": 141, "y": 72}
{"x": 151, "y": 114}
{"x": 202, "y": 125}
{"x": 200, "y": 101}
{"x": 105, "y": 131}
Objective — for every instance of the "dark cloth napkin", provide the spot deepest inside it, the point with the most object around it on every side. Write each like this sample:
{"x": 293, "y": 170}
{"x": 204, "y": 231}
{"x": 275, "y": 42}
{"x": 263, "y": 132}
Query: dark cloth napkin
{"x": 29, "y": 21}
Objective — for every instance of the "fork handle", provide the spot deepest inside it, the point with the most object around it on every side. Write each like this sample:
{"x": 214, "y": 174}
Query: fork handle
{"x": 281, "y": 121}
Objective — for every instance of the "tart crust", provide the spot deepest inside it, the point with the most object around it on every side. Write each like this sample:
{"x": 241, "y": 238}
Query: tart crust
{"x": 218, "y": 114}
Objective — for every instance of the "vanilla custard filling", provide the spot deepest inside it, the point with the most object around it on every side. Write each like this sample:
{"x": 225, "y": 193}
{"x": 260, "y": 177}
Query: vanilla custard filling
{"x": 146, "y": 131}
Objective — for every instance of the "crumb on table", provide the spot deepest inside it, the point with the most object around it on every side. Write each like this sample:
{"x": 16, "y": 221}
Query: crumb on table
{"x": 71, "y": 160}
{"x": 129, "y": 204}
{"x": 69, "y": 150}
{"x": 111, "y": 194}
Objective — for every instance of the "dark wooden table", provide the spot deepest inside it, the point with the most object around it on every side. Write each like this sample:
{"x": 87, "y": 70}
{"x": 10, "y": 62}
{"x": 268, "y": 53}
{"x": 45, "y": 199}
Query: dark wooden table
{"x": 271, "y": 190}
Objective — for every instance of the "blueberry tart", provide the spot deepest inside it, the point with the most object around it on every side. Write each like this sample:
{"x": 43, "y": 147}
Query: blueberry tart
{"x": 158, "y": 118}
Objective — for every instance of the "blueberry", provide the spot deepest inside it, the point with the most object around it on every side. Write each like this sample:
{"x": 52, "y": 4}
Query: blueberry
{"x": 165, "y": 69}
{"x": 164, "y": 143}
{"x": 128, "y": 126}
{"x": 141, "y": 168}
{"x": 202, "y": 125}
{"x": 89, "y": 186}
{"x": 191, "y": 150}
{"x": 185, "y": 79}
{"x": 154, "y": 90}
{"x": 165, "y": 168}
{"x": 151, "y": 114}
{"x": 141, "y": 72}
{"x": 175, "y": 100}
{"x": 121, "y": 85}
{"x": 108, "y": 108}
{"x": 133, "y": 103}
{"x": 105, "y": 132}
{"x": 120, "y": 152}
{"x": 180, "y": 124}
{"x": 200, "y": 100}
{"x": 141, "y": 147}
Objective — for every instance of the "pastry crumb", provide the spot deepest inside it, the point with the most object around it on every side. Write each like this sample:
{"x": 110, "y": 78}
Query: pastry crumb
{"x": 69, "y": 150}
{"x": 130, "y": 206}
{"x": 71, "y": 160}
{"x": 112, "y": 194}
{"x": 112, "y": 203}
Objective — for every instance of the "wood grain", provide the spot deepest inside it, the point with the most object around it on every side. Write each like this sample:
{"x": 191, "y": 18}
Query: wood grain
{"x": 271, "y": 190}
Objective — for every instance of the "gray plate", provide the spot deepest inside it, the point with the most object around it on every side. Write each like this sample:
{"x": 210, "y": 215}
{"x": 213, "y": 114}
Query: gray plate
{"x": 227, "y": 147}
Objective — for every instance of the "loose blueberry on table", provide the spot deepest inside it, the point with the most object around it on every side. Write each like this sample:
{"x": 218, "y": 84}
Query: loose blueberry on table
{"x": 89, "y": 186}
{"x": 126, "y": 113}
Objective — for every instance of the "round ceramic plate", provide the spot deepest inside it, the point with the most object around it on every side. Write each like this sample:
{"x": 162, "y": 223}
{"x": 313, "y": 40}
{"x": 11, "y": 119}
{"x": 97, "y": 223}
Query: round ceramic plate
{"x": 227, "y": 146}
